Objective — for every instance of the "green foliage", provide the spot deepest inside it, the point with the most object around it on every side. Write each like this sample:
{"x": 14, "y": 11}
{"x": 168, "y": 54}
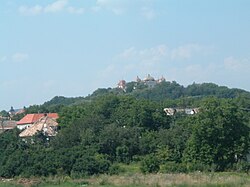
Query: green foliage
{"x": 150, "y": 164}
{"x": 173, "y": 167}
{"x": 210, "y": 89}
{"x": 89, "y": 165}
{"x": 4, "y": 113}
{"x": 130, "y": 87}
{"x": 242, "y": 166}
{"x": 161, "y": 91}
{"x": 101, "y": 92}
{"x": 219, "y": 135}
{"x": 115, "y": 169}
{"x": 60, "y": 100}
{"x": 112, "y": 128}
{"x": 148, "y": 142}
{"x": 122, "y": 154}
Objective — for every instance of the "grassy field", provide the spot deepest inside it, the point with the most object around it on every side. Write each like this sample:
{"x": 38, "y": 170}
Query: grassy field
{"x": 132, "y": 177}
{"x": 139, "y": 180}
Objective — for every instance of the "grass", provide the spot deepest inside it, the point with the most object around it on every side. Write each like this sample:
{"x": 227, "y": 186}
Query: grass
{"x": 132, "y": 178}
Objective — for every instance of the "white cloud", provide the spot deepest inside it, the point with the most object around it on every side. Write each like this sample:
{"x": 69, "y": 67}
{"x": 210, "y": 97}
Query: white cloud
{"x": 150, "y": 54}
{"x": 240, "y": 65}
{"x": 118, "y": 7}
{"x": 187, "y": 51}
{"x": 74, "y": 10}
{"x": 128, "y": 53}
{"x": 162, "y": 51}
{"x": 20, "y": 57}
{"x": 37, "y": 9}
{"x": 143, "y": 8}
{"x": 56, "y": 6}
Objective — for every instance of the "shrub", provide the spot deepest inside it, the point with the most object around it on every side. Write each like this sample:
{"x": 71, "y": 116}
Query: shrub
{"x": 172, "y": 167}
{"x": 201, "y": 167}
{"x": 150, "y": 164}
{"x": 115, "y": 169}
{"x": 242, "y": 166}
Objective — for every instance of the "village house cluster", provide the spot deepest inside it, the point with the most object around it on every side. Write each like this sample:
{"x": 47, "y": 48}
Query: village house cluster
{"x": 31, "y": 124}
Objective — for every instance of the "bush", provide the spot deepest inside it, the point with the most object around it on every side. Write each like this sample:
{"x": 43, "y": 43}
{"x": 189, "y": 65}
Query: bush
{"x": 115, "y": 169}
{"x": 242, "y": 166}
{"x": 201, "y": 167}
{"x": 90, "y": 165}
{"x": 150, "y": 164}
{"x": 172, "y": 167}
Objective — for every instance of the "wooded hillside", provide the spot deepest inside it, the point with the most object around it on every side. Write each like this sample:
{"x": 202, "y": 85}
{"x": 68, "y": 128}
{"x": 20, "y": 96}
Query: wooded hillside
{"x": 112, "y": 126}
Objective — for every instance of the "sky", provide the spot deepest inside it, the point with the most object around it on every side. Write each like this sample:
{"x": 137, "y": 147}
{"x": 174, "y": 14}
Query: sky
{"x": 72, "y": 47}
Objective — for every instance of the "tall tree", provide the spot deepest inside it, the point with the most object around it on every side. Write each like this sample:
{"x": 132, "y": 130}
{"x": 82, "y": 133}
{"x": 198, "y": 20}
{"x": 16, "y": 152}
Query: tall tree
{"x": 219, "y": 137}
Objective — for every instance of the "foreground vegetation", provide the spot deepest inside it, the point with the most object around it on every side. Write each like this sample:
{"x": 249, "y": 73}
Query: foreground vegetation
{"x": 196, "y": 179}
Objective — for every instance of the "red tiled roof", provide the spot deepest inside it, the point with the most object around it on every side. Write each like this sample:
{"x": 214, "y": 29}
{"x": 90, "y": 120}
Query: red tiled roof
{"x": 32, "y": 118}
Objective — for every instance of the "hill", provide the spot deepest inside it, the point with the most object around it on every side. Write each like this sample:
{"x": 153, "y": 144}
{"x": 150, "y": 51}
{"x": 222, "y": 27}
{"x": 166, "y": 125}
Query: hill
{"x": 117, "y": 126}
{"x": 160, "y": 92}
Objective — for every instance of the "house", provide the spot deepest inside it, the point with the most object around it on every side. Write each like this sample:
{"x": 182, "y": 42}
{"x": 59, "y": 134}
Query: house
{"x": 30, "y": 119}
{"x": 46, "y": 125}
{"x": 7, "y": 125}
{"x": 169, "y": 111}
{"x": 188, "y": 111}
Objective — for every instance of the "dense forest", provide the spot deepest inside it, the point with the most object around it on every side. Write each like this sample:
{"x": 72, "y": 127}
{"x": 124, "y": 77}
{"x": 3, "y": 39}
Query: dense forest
{"x": 113, "y": 126}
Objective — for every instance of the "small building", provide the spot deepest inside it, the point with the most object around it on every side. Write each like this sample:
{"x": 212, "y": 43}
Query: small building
{"x": 47, "y": 125}
{"x": 30, "y": 119}
{"x": 188, "y": 111}
{"x": 7, "y": 125}
{"x": 169, "y": 111}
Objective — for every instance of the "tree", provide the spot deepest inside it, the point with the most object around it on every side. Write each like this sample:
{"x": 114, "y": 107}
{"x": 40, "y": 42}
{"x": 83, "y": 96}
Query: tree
{"x": 220, "y": 137}
{"x": 4, "y": 113}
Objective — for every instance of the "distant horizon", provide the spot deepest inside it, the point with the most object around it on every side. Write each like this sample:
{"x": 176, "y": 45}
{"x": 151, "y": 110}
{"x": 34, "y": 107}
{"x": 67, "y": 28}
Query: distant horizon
{"x": 71, "y": 48}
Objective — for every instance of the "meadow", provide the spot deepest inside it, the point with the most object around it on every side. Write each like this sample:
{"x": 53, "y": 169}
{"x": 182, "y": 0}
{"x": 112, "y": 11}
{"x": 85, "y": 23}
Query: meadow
{"x": 137, "y": 179}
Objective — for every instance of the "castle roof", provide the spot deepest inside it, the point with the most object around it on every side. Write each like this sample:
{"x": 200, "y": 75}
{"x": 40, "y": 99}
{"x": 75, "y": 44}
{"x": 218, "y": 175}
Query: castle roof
{"x": 149, "y": 78}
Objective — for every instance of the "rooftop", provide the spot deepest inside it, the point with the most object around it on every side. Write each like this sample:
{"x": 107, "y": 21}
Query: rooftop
{"x": 32, "y": 118}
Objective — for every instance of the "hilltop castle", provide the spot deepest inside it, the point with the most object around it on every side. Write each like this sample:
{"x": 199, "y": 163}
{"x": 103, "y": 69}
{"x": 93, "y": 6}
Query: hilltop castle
{"x": 148, "y": 81}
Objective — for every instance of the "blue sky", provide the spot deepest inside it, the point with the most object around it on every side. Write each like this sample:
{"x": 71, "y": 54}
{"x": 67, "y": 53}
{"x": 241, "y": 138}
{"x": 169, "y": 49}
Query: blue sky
{"x": 72, "y": 47}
